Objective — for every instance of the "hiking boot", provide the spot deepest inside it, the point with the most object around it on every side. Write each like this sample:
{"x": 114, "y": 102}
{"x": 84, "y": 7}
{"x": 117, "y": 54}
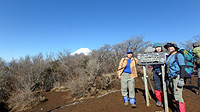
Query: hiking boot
{"x": 133, "y": 105}
{"x": 126, "y": 103}
{"x": 125, "y": 100}
{"x": 132, "y": 102}
{"x": 159, "y": 104}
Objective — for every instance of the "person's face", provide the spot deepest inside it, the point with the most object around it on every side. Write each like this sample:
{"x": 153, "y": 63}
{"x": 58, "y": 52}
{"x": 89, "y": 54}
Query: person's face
{"x": 158, "y": 49}
{"x": 129, "y": 55}
{"x": 171, "y": 48}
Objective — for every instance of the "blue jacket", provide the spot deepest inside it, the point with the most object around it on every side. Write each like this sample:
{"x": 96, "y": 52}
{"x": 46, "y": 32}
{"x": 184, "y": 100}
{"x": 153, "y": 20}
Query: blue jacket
{"x": 172, "y": 66}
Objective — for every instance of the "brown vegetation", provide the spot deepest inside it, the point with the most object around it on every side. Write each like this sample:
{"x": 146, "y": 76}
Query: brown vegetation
{"x": 22, "y": 81}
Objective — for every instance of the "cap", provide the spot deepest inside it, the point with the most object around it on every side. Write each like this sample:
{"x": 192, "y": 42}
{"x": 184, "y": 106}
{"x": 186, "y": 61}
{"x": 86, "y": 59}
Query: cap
{"x": 171, "y": 43}
{"x": 129, "y": 51}
{"x": 157, "y": 45}
{"x": 195, "y": 44}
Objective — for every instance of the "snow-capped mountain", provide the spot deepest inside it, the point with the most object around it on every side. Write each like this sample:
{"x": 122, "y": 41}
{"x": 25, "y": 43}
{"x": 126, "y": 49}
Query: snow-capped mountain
{"x": 85, "y": 51}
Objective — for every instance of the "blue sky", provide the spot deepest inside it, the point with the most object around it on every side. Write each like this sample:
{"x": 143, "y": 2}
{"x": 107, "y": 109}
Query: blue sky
{"x": 28, "y": 27}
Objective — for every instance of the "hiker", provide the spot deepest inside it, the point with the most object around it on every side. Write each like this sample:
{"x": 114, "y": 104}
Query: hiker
{"x": 175, "y": 74}
{"x": 127, "y": 73}
{"x": 196, "y": 53}
{"x": 157, "y": 76}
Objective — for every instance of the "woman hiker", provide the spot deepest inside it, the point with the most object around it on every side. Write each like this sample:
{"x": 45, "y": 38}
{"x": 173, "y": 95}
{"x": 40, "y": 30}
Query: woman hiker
{"x": 127, "y": 73}
{"x": 157, "y": 76}
{"x": 175, "y": 74}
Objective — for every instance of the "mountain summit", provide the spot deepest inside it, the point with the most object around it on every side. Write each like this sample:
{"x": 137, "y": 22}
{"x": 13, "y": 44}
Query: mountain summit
{"x": 85, "y": 51}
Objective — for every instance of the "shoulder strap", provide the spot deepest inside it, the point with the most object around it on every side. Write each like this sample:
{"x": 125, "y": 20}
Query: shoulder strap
{"x": 123, "y": 59}
{"x": 176, "y": 58}
{"x": 168, "y": 62}
{"x": 135, "y": 61}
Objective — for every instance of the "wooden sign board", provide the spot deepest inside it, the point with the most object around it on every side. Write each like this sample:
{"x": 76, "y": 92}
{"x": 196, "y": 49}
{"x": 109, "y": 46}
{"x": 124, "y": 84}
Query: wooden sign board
{"x": 152, "y": 58}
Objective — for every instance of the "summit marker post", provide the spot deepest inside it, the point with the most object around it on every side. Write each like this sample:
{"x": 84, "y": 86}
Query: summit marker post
{"x": 151, "y": 58}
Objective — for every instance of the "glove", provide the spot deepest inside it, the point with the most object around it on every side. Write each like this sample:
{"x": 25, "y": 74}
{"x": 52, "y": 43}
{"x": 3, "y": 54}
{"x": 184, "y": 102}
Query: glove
{"x": 180, "y": 83}
{"x": 158, "y": 71}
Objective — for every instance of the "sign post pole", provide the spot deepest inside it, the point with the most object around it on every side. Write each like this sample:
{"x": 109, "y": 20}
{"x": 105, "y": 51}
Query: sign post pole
{"x": 164, "y": 89}
{"x": 146, "y": 87}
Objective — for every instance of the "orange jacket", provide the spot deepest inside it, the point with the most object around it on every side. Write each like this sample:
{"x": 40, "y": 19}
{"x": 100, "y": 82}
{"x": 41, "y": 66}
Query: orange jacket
{"x": 122, "y": 66}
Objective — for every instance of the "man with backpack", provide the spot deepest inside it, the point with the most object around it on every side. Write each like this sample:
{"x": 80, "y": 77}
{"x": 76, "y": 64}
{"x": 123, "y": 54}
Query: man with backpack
{"x": 127, "y": 72}
{"x": 196, "y": 53}
{"x": 175, "y": 70}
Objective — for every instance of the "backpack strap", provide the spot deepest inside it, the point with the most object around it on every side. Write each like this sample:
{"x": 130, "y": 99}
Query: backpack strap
{"x": 135, "y": 61}
{"x": 123, "y": 60}
{"x": 176, "y": 58}
{"x": 168, "y": 62}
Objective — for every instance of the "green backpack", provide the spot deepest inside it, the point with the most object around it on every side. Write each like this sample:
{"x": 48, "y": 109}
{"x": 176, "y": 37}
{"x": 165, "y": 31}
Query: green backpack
{"x": 196, "y": 53}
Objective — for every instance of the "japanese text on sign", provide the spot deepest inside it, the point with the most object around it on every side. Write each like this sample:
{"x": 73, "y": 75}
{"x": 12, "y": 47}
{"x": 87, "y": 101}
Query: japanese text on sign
{"x": 153, "y": 58}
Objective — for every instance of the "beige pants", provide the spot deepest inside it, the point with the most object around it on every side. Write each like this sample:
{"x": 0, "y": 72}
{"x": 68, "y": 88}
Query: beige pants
{"x": 177, "y": 92}
{"x": 127, "y": 83}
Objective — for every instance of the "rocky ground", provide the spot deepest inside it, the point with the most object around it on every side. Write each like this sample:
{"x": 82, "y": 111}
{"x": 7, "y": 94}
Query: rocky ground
{"x": 113, "y": 102}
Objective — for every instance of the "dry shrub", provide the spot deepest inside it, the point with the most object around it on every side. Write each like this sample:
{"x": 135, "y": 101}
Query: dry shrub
{"x": 24, "y": 99}
{"x": 113, "y": 82}
{"x": 5, "y": 87}
{"x": 149, "y": 73}
{"x": 79, "y": 86}
{"x": 140, "y": 72}
{"x": 90, "y": 85}
{"x": 83, "y": 75}
{"x": 24, "y": 73}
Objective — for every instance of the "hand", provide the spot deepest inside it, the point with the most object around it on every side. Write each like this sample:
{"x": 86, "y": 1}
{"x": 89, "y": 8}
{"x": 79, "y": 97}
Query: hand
{"x": 150, "y": 67}
{"x": 180, "y": 83}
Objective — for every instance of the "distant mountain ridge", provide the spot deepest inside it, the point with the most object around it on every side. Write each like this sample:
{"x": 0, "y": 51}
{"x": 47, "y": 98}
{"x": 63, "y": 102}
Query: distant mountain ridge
{"x": 85, "y": 51}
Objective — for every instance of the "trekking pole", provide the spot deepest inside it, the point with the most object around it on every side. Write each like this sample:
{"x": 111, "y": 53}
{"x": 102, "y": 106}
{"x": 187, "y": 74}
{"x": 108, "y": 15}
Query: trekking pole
{"x": 164, "y": 89}
{"x": 146, "y": 87}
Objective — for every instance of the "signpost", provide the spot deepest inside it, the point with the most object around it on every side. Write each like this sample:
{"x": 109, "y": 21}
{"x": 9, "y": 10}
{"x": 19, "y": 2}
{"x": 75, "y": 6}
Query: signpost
{"x": 164, "y": 89}
{"x": 151, "y": 59}
{"x": 146, "y": 86}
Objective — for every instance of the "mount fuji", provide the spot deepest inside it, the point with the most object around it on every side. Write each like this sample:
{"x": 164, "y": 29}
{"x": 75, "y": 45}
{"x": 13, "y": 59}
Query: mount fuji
{"x": 85, "y": 51}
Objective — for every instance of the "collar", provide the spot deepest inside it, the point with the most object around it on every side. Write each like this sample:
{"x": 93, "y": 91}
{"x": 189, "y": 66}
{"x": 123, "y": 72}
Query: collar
{"x": 172, "y": 53}
{"x": 128, "y": 58}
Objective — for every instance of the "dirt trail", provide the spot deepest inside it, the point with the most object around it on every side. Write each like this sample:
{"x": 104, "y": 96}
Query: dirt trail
{"x": 113, "y": 102}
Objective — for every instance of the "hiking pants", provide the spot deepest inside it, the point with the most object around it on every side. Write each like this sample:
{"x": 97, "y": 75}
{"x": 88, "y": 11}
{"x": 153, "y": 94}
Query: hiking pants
{"x": 198, "y": 74}
{"x": 177, "y": 91}
{"x": 126, "y": 81}
{"x": 157, "y": 80}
